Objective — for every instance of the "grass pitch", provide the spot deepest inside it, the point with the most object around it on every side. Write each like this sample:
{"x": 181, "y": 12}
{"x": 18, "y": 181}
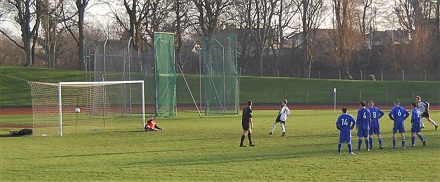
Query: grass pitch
{"x": 207, "y": 149}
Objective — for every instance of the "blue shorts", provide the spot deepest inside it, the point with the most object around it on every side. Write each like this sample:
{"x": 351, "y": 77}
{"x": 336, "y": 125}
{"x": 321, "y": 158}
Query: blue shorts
{"x": 400, "y": 127}
{"x": 345, "y": 136}
{"x": 362, "y": 133}
{"x": 374, "y": 131}
{"x": 415, "y": 127}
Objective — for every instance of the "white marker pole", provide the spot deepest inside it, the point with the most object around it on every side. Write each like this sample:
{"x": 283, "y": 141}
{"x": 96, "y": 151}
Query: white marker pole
{"x": 334, "y": 99}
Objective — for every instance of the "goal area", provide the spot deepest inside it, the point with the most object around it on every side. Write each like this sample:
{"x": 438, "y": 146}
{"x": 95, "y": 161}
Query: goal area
{"x": 68, "y": 107}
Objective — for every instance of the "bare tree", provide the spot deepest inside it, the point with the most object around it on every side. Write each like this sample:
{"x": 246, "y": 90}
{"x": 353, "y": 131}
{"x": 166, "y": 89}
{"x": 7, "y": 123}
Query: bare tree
{"x": 244, "y": 42}
{"x": 157, "y": 15}
{"x": 136, "y": 13}
{"x": 210, "y": 13}
{"x": 418, "y": 18}
{"x": 75, "y": 26}
{"x": 25, "y": 13}
{"x": 347, "y": 38}
{"x": 11, "y": 55}
{"x": 50, "y": 40}
{"x": 312, "y": 17}
{"x": 365, "y": 17}
{"x": 260, "y": 15}
{"x": 181, "y": 22}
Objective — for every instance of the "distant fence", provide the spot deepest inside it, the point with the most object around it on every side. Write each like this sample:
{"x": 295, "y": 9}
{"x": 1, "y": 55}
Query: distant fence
{"x": 359, "y": 75}
{"x": 314, "y": 97}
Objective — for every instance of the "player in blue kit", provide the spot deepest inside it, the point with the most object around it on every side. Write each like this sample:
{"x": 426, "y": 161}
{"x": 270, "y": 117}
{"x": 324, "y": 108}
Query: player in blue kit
{"x": 415, "y": 125}
{"x": 345, "y": 124}
{"x": 363, "y": 121}
{"x": 398, "y": 114}
{"x": 376, "y": 114}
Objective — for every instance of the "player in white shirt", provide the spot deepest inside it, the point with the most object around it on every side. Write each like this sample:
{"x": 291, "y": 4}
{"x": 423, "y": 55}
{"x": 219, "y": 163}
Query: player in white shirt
{"x": 424, "y": 109}
{"x": 282, "y": 117}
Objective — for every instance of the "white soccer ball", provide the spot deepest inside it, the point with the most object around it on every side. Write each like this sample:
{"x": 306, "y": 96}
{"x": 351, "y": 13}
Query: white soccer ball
{"x": 77, "y": 110}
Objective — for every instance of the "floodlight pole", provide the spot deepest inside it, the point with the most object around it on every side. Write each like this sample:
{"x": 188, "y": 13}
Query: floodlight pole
{"x": 129, "y": 58}
{"x": 105, "y": 43}
{"x": 129, "y": 69}
{"x": 60, "y": 110}
{"x": 200, "y": 76}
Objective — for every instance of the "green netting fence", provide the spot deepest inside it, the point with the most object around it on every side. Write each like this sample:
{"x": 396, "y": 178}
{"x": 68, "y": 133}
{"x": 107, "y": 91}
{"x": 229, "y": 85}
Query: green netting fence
{"x": 220, "y": 74}
{"x": 165, "y": 74}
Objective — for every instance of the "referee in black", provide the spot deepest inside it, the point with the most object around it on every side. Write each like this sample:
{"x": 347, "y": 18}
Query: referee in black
{"x": 247, "y": 124}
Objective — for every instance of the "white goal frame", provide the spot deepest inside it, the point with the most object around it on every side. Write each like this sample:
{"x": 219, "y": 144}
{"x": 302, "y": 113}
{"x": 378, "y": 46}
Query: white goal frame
{"x": 88, "y": 84}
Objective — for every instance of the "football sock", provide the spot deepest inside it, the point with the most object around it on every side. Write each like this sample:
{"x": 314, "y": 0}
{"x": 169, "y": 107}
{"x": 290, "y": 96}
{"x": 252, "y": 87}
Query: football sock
{"x": 403, "y": 142}
{"x": 359, "y": 144}
{"x": 273, "y": 128}
{"x": 283, "y": 128}
{"x": 367, "y": 143}
{"x": 242, "y": 139}
{"x": 394, "y": 142}
{"x": 433, "y": 122}
{"x": 349, "y": 148}
{"x": 413, "y": 140}
{"x": 421, "y": 137}
{"x": 250, "y": 138}
{"x": 371, "y": 142}
{"x": 380, "y": 142}
{"x": 339, "y": 147}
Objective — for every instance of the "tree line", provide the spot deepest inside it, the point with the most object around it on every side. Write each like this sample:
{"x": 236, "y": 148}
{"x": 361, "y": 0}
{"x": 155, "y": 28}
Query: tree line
{"x": 282, "y": 36}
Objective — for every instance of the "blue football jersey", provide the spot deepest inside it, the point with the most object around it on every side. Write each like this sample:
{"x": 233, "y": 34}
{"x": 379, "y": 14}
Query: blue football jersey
{"x": 363, "y": 119}
{"x": 345, "y": 122}
{"x": 398, "y": 114}
{"x": 376, "y": 114}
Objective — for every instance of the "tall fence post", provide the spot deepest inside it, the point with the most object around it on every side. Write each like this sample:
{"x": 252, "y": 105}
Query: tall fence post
{"x": 307, "y": 97}
{"x": 334, "y": 99}
{"x": 424, "y": 71}
{"x": 381, "y": 75}
{"x": 386, "y": 95}
{"x": 258, "y": 97}
{"x": 403, "y": 75}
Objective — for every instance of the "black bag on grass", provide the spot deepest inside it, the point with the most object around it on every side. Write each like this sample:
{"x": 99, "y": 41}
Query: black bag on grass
{"x": 22, "y": 132}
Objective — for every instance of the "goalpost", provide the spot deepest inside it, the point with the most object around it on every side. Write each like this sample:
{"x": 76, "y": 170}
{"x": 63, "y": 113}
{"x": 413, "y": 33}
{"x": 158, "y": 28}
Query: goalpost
{"x": 78, "y": 105}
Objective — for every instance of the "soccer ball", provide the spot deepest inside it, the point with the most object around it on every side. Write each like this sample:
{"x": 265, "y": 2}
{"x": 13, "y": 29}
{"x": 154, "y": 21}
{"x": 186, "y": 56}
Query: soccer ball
{"x": 77, "y": 110}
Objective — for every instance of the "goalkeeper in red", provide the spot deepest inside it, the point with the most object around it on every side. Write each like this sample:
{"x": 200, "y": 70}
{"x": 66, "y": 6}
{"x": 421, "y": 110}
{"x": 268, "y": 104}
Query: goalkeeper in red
{"x": 345, "y": 124}
{"x": 151, "y": 125}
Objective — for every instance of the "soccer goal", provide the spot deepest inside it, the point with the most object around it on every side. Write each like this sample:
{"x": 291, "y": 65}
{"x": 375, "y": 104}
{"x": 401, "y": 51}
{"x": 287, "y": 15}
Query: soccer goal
{"x": 72, "y": 106}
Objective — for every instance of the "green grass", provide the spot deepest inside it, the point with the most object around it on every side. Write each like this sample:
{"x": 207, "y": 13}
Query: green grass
{"x": 206, "y": 149}
{"x": 15, "y": 91}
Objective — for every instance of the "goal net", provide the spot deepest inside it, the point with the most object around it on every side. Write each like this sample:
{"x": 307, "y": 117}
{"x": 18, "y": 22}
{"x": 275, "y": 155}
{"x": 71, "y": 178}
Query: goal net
{"x": 68, "y": 107}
